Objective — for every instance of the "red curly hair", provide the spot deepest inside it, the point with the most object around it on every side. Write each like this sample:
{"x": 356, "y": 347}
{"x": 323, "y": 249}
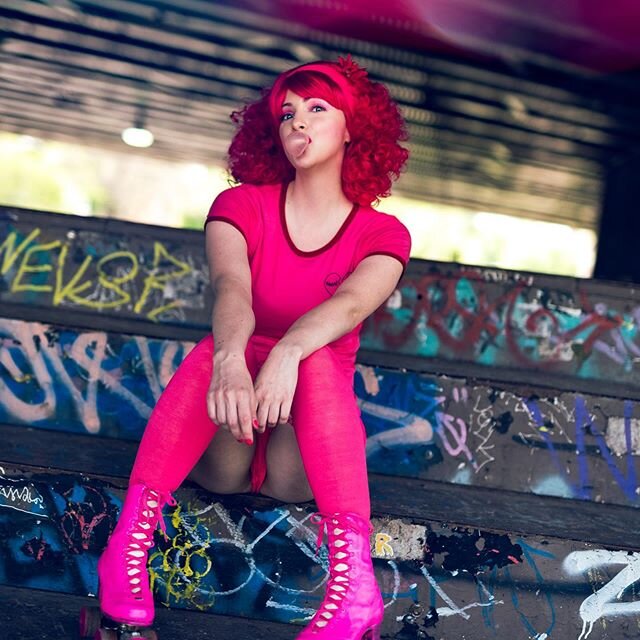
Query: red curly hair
{"x": 373, "y": 159}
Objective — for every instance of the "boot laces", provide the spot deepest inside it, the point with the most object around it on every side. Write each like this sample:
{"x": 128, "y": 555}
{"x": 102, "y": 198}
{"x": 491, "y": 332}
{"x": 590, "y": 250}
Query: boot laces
{"x": 141, "y": 536}
{"x": 336, "y": 526}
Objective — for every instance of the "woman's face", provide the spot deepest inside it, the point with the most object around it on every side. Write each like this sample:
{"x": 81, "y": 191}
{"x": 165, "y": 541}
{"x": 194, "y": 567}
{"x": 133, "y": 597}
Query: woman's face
{"x": 312, "y": 131}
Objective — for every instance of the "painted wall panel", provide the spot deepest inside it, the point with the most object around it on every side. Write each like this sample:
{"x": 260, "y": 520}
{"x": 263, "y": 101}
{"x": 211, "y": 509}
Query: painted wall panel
{"x": 454, "y": 430}
{"x": 484, "y": 317}
{"x": 103, "y": 267}
{"x": 438, "y": 580}
{"x": 525, "y": 322}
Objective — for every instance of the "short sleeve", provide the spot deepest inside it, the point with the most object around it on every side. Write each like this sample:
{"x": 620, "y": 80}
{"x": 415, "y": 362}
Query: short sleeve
{"x": 386, "y": 236}
{"x": 236, "y": 207}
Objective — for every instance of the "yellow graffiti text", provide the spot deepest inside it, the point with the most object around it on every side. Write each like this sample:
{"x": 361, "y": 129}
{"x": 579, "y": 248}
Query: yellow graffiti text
{"x": 383, "y": 548}
{"x": 36, "y": 263}
{"x": 26, "y": 268}
{"x": 156, "y": 280}
{"x": 10, "y": 252}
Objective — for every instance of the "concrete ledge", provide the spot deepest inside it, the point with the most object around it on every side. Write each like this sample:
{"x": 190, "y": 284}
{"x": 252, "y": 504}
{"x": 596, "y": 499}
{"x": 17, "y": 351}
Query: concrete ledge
{"x": 27, "y": 614}
{"x": 33, "y": 450}
{"x": 257, "y": 559}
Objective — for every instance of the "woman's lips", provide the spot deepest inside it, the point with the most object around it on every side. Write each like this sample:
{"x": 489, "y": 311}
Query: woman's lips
{"x": 298, "y": 143}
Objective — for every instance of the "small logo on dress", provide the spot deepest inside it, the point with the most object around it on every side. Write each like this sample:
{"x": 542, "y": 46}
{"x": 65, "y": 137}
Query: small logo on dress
{"x": 334, "y": 280}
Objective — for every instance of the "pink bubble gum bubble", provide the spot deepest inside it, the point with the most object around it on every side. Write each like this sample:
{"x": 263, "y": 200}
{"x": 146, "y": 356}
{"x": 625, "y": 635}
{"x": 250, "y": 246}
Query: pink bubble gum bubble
{"x": 298, "y": 142}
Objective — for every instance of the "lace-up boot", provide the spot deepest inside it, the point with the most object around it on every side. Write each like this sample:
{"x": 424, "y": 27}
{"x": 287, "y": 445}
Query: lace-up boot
{"x": 124, "y": 591}
{"x": 352, "y": 608}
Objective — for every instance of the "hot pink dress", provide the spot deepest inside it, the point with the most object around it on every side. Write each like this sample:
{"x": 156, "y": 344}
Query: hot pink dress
{"x": 287, "y": 282}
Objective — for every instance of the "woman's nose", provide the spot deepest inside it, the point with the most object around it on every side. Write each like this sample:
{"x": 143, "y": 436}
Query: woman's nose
{"x": 298, "y": 123}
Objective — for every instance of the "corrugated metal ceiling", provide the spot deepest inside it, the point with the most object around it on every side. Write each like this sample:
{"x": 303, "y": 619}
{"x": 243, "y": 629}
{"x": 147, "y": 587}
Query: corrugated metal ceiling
{"x": 514, "y": 130}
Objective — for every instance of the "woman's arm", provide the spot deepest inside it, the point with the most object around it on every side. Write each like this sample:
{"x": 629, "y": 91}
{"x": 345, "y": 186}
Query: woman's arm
{"x": 232, "y": 315}
{"x": 358, "y": 297}
{"x": 231, "y": 400}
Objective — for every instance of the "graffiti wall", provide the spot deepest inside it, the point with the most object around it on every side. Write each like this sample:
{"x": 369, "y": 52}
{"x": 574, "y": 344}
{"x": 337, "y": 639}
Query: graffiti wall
{"x": 103, "y": 267}
{"x": 505, "y": 319}
{"x": 449, "y": 429}
{"x": 229, "y": 557}
{"x": 494, "y": 318}
{"x": 83, "y": 382}
{"x": 568, "y": 445}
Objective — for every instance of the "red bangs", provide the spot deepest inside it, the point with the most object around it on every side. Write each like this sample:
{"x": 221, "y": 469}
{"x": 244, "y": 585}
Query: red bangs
{"x": 307, "y": 84}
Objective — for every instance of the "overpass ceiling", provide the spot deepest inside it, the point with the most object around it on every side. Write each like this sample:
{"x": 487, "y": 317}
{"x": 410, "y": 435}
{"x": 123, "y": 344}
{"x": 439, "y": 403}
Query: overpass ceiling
{"x": 510, "y": 109}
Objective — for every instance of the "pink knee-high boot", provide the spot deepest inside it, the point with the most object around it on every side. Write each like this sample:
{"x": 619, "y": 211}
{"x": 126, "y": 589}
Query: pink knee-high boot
{"x": 352, "y": 608}
{"x": 124, "y": 592}
{"x": 331, "y": 437}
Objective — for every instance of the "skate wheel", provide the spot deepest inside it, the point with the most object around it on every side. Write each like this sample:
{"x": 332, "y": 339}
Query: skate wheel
{"x": 144, "y": 634}
{"x": 106, "y": 634}
{"x": 89, "y": 623}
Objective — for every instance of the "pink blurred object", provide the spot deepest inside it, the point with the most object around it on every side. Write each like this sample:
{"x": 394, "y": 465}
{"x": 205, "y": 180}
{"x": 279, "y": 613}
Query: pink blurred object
{"x": 602, "y": 36}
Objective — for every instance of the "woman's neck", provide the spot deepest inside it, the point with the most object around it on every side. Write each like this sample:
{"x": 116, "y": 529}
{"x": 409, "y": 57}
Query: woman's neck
{"x": 313, "y": 195}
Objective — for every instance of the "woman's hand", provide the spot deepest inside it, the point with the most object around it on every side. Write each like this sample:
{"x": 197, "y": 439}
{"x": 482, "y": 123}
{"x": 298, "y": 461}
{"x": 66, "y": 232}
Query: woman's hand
{"x": 231, "y": 401}
{"x": 275, "y": 386}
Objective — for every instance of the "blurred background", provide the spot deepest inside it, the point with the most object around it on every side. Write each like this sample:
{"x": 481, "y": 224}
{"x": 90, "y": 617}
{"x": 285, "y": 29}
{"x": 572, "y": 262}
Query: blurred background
{"x": 524, "y": 117}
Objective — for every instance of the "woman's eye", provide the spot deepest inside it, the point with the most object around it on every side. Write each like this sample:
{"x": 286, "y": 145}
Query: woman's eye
{"x": 285, "y": 116}
{"x": 318, "y": 106}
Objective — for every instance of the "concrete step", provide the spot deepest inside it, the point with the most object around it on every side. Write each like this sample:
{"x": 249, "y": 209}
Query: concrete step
{"x": 256, "y": 559}
{"x": 40, "y": 451}
{"x": 30, "y": 614}
{"x": 479, "y": 388}
{"x": 481, "y": 433}
{"x": 578, "y": 335}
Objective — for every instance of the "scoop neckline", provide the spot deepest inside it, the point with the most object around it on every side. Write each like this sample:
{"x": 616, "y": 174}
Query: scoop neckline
{"x": 285, "y": 229}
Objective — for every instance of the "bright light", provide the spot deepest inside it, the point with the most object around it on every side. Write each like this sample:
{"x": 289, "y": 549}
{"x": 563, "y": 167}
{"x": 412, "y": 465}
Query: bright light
{"x": 453, "y": 234}
{"x": 135, "y": 137}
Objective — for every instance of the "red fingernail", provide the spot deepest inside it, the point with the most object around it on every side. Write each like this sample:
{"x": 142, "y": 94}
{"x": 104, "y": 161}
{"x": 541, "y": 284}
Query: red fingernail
{"x": 256, "y": 424}
{"x": 247, "y": 441}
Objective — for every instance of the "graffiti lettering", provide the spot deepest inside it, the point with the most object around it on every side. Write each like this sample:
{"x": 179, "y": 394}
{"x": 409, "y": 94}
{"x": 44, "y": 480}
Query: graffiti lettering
{"x": 100, "y": 282}
{"x": 20, "y": 495}
{"x": 467, "y": 314}
{"x": 47, "y": 369}
{"x": 382, "y": 547}
{"x": 603, "y": 603}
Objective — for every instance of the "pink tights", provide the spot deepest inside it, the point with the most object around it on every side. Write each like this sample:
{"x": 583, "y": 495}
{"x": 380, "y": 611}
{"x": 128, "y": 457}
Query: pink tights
{"x": 325, "y": 416}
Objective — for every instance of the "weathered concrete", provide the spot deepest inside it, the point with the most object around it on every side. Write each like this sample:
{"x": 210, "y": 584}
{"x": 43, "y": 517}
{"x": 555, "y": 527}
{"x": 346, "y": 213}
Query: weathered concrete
{"x": 27, "y": 614}
{"x": 489, "y": 319}
{"x": 229, "y": 557}
{"x": 483, "y": 388}
{"x": 103, "y": 267}
{"x": 525, "y": 439}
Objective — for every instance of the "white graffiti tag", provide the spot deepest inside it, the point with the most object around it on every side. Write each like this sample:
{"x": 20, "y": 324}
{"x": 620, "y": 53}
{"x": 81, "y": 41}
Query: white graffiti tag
{"x": 29, "y": 356}
{"x": 602, "y": 602}
{"x": 18, "y": 497}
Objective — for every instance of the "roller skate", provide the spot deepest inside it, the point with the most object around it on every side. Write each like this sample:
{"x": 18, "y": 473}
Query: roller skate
{"x": 126, "y": 602}
{"x": 352, "y": 608}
